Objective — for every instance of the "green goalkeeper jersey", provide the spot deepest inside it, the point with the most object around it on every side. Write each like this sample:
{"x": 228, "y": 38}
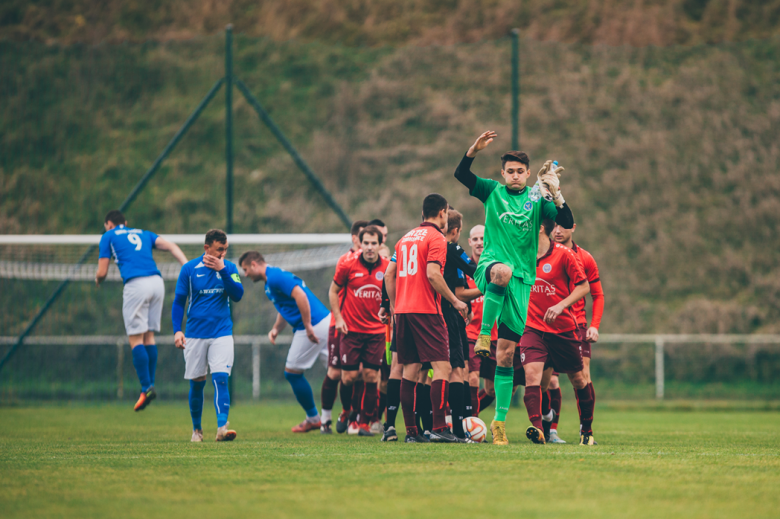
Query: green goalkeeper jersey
{"x": 512, "y": 220}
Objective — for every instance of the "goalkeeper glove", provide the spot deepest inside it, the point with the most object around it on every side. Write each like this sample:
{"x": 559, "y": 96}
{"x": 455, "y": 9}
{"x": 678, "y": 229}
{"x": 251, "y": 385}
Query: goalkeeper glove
{"x": 550, "y": 184}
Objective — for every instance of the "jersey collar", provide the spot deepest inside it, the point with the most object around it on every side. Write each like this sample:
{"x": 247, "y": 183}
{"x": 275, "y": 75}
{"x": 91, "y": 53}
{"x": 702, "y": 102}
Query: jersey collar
{"x": 548, "y": 253}
{"x": 429, "y": 224}
{"x": 370, "y": 266}
{"x": 574, "y": 246}
{"x": 514, "y": 193}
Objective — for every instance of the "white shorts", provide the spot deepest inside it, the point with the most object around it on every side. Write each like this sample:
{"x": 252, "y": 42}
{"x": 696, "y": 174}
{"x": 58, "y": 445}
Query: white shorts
{"x": 200, "y": 355}
{"x": 303, "y": 353}
{"x": 142, "y": 304}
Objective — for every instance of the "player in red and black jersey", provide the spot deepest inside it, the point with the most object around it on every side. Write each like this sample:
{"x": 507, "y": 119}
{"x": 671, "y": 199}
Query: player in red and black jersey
{"x": 550, "y": 340}
{"x": 362, "y": 333}
{"x": 588, "y": 334}
{"x": 458, "y": 266}
{"x": 415, "y": 286}
{"x": 330, "y": 384}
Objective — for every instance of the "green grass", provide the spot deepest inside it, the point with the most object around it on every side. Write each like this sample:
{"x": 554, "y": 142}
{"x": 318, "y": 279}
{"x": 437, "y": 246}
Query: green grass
{"x": 106, "y": 461}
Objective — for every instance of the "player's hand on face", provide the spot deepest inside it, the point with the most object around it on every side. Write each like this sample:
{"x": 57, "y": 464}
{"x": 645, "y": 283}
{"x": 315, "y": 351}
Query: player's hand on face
{"x": 552, "y": 313}
{"x": 592, "y": 335}
{"x": 213, "y": 263}
{"x": 179, "y": 340}
{"x": 341, "y": 326}
{"x": 272, "y": 336}
{"x": 313, "y": 336}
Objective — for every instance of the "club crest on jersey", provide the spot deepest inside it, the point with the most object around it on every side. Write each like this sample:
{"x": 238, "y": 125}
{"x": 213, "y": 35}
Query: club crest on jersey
{"x": 519, "y": 220}
{"x": 546, "y": 268}
{"x": 527, "y": 206}
{"x": 380, "y": 275}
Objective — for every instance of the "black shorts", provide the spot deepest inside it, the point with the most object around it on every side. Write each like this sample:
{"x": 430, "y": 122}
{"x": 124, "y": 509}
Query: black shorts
{"x": 458, "y": 340}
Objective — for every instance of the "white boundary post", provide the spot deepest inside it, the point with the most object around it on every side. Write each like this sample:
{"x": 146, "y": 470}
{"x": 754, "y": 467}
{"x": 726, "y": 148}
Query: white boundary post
{"x": 120, "y": 365}
{"x": 256, "y": 369}
{"x": 659, "y": 367}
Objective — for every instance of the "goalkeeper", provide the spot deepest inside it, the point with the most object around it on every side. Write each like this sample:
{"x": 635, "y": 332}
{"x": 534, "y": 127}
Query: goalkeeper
{"x": 507, "y": 267}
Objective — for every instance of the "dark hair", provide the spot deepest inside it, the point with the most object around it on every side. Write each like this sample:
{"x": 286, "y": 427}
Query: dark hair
{"x": 216, "y": 235}
{"x": 433, "y": 204}
{"x": 250, "y": 256}
{"x": 549, "y": 225}
{"x": 374, "y": 230}
{"x": 357, "y": 225}
{"x": 115, "y": 217}
{"x": 377, "y": 222}
{"x": 454, "y": 219}
{"x": 515, "y": 156}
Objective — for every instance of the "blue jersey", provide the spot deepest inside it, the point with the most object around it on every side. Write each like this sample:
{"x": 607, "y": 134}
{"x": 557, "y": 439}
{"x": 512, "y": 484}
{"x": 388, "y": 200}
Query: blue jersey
{"x": 131, "y": 250}
{"x": 279, "y": 285}
{"x": 208, "y": 312}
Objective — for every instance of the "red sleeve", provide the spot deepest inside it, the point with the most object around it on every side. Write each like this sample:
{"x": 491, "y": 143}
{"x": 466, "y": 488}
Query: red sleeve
{"x": 591, "y": 269}
{"x": 342, "y": 273}
{"x": 574, "y": 269}
{"x": 437, "y": 250}
{"x": 597, "y": 294}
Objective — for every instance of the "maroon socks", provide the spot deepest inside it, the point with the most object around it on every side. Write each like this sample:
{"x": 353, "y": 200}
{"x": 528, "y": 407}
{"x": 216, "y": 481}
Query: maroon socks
{"x": 585, "y": 407}
{"x": 439, "y": 399}
{"x": 533, "y": 404}
{"x": 407, "y": 406}
{"x": 329, "y": 389}
{"x": 368, "y": 402}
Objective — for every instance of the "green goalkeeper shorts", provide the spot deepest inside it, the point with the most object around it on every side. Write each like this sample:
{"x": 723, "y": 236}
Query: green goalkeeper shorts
{"x": 516, "y": 299}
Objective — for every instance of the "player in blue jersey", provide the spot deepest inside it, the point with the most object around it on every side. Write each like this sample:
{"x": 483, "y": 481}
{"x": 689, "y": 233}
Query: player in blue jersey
{"x": 209, "y": 282}
{"x": 144, "y": 291}
{"x": 309, "y": 318}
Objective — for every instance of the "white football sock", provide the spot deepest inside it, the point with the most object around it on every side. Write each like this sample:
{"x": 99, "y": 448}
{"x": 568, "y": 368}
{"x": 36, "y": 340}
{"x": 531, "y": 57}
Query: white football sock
{"x": 326, "y": 415}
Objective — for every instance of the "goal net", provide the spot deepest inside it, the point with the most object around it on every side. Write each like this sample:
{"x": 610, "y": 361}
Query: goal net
{"x": 78, "y": 349}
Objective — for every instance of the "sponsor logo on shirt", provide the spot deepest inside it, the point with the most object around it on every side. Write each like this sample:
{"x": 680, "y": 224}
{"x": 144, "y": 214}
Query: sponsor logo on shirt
{"x": 211, "y": 291}
{"x": 522, "y": 221}
{"x": 547, "y": 289}
{"x": 369, "y": 292}
{"x": 415, "y": 235}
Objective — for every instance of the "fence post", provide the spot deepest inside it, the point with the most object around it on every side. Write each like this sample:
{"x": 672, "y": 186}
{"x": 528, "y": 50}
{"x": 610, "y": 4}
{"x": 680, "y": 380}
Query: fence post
{"x": 120, "y": 368}
{"x": 229, "y": 124}
{"x": 256, "y": 370}
{"x": 659, "y": 367}
{"x": 515, "y": 89}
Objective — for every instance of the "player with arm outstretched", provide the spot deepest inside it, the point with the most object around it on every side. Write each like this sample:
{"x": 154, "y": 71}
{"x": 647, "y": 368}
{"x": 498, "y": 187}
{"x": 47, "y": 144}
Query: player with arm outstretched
{"x": 143, "y": 293}
{"x": 297, "y": 305}
{"x": 209, "y": 282}
{"x": 506, "y": 269}
{"x": 415, "y": 286}
{"x": 588, "y": 334}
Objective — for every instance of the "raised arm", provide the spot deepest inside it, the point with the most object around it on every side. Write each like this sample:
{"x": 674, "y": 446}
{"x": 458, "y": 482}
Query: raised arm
{"x": 163, "y": 244}
{"x": 463, "y": 171}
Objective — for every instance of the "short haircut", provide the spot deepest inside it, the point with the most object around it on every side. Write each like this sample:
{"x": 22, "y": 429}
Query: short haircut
{"x": 454, "y": 219}
{"x": 357, "y": 225}
{"x": 515, "y": 156}
{"x": 477, "y": 227}
{"x": 377, "y": 222}
{"x": 116, "y": 217}
{"x": 549, "y": 225}
{"x": 373, "y": 230}
{"x": 433, "y": 204}
{"x": 251, "y": 256}
{"x": 216, "y": 235}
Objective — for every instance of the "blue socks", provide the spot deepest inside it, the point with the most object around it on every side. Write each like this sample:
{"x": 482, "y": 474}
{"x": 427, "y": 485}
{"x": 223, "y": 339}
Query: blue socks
{"x": 221, "y": 397}
{"x": 303, "y": 392}
{"x": 151, "y": 352}
{"x": 196, "y": 403}
{"x": 141, "y": 363}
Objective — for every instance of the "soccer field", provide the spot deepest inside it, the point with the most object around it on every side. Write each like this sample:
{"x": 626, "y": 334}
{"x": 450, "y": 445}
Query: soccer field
{"x": 106, "y": 461}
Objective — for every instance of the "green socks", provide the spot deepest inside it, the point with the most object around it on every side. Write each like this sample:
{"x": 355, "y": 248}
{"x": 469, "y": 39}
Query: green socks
{"x": 503, "y": 384}
{"x": 491, "y": 309}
